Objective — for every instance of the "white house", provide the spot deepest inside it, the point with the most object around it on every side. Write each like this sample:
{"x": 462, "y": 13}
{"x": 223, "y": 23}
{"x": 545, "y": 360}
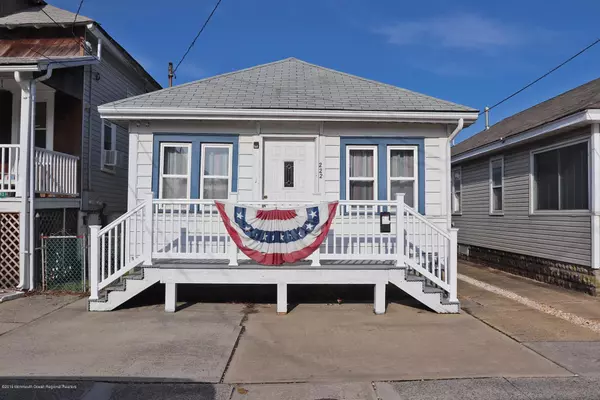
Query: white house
{"x": 284, "y": 134}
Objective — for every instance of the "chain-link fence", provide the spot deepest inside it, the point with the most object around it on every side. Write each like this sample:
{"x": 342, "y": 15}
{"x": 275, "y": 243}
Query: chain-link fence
{"x": 64, "y": 263}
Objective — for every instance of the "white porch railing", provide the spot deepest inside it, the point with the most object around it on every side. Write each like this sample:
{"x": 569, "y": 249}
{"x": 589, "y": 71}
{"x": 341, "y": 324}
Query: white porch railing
{"x": 193, "y": 229}
{"x": 56, "y": 173}
{"x": 9, "y": 169}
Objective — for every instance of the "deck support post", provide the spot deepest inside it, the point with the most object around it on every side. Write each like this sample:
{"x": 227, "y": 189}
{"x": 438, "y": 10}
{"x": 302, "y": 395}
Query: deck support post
{"x": 282, "y": 298}
{"x": 453, "y": 265}
{"x": 400, "y": 230}
{"x": 379, "y": 304}
{"x": 94, "y": 261}
{"x": 170, "y": 297}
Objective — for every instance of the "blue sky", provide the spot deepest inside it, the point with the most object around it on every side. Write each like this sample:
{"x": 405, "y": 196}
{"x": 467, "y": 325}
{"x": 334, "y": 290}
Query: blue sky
{"x": 469, "y": 52}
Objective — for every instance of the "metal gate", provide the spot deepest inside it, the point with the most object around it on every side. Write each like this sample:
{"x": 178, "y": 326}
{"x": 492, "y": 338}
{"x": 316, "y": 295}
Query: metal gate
{"x": 64, "y": 263}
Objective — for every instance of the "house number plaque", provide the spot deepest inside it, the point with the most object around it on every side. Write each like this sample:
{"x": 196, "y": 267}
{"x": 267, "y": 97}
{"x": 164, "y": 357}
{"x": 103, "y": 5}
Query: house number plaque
{"x": 320, "y": 170}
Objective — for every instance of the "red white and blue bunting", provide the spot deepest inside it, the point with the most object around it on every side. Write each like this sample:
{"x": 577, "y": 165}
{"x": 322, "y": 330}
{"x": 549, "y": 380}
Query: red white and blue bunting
{"x": 276, "y": 236}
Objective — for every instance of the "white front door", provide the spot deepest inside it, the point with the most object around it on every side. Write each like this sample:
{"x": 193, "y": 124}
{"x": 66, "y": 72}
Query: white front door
{"x": 289, "y": 169}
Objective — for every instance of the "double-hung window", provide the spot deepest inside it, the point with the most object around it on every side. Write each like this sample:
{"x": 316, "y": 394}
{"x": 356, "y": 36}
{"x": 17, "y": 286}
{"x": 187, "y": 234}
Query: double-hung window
{"x": 175, "y": 168}
{"x": 560, "y": 178}
{"x": 109, "y": 146}
{"x": 362, "y": 172}
{"x": 402, "y": 173}
{"x": 457, "y": 190}
{"x": 497, "y": 185}
{"x": 215, "y": 171}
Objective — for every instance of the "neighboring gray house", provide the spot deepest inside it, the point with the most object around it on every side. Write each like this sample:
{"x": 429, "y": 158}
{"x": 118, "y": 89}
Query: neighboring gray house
{"x": 55, "y": 69}
{"x": 526, "y": 192}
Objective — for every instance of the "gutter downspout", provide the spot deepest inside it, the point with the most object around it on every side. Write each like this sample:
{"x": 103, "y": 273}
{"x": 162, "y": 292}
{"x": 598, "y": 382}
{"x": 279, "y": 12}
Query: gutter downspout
{"x": 456, "y": 131}
{"x": 31, "y": 221}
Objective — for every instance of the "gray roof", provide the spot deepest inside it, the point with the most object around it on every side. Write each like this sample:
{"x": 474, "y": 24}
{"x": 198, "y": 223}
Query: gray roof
{"x": 34, "y": 16}
{"x": 581, "y": 98}
{"x": 289, "y": 84}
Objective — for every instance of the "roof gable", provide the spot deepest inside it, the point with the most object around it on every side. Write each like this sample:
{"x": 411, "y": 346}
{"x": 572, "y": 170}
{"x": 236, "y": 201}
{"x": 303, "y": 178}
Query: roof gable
{"x": 289, "y": 84}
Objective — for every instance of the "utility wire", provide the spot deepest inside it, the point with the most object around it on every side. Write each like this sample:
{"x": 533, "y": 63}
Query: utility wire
{"x": 198, "y": 35}
{"x": 77, "y": 15}
{"x": 78, "y": 40}
{"x": 545, "y": 75}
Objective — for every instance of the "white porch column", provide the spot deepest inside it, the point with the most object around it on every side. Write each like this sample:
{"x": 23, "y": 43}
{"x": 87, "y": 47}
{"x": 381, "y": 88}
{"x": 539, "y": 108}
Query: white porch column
{"x": 400, "y": 245}
{"x": 170, "y": 297}
{"x": 233, "y": 249}
{"x": 453, "y": 265}
{"x": 595, "y": 195}
{"x": 25, "y": 80}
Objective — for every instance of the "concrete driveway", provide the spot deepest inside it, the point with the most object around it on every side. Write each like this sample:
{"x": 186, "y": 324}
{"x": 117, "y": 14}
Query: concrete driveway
{"x": 217, "y": 342}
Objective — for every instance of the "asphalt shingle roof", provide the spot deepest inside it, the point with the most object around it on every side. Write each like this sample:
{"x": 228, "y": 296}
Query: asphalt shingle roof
{"x": 34, "y": 16}
{"x": 289, "y": 84}
{"x": 581, "y": 98}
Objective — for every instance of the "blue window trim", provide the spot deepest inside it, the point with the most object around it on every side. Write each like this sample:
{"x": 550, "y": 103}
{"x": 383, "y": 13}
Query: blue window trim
{"x": 196, "y": 140}
{"x": 382, "y": 143}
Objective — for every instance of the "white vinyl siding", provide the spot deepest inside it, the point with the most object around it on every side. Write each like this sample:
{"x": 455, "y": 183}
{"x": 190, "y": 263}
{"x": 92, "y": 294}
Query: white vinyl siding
{"x": 497, "y": 185}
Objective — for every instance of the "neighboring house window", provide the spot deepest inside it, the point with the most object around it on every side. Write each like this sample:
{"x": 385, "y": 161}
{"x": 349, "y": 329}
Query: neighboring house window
{"x": 215, "y": 171}
{"x": 40, "y": 125}
{"x": 109, "y": 146}
{"x": 456, "y": 190}
{"x": 175, "y": 169}
{"x": 362, "y": 172}
{"x": 402, "y": 173}
{"x": 561, "y": 178}
{"x": 497, "y": 185}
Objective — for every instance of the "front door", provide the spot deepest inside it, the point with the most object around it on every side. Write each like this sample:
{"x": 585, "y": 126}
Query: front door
{"x": 289, "y": 169}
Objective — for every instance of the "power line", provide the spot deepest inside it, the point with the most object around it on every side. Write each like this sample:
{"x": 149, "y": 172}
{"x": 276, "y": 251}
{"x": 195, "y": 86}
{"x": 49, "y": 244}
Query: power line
{"x": 198, "y": 35}
{"x": 545, "y": 75}
{"x": 79, "y": 41}
{"x": 77, "y": 14}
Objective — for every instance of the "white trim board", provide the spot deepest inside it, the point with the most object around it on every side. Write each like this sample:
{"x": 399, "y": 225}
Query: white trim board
{"x": 571, "y": 121}
{"x": 112, "y": 112}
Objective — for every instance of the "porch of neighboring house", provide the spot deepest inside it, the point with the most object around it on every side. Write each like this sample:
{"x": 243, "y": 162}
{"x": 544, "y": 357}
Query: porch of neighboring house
{"x": 57, "y": 147}
{"x": 185, "y": 242}
{"x": 57, "y": 141}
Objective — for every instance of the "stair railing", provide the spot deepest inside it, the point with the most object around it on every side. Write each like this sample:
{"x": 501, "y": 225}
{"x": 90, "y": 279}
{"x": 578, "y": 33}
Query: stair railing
{"x": 428, "y": 250}
{"x": 120, "y": 246}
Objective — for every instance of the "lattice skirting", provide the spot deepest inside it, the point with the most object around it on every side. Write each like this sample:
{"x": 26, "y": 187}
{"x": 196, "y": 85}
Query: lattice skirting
{"x": 9, "y": 250}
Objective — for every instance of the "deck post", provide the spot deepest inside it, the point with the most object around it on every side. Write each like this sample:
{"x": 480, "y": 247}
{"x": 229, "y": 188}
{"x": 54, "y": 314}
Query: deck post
{"x": 94, "y": 261}
{"x": 170, "y": 296}
{"x": 233, "y": 249}
{"x": 316, "y": 258}
{"x": 281, "y": 298}
{"x": 379, "y": 303}
{"x": 147, "y": 224}
{"x": 400, "y": 230}
{"x": 453, "y": 263}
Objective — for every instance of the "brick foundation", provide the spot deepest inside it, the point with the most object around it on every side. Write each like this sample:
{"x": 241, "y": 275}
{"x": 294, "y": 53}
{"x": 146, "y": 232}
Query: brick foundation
{"x": 570, "y": 276}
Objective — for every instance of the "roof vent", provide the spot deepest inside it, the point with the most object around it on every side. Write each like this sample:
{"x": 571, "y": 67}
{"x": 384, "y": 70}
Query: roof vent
{"x": 487, "y": 118}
